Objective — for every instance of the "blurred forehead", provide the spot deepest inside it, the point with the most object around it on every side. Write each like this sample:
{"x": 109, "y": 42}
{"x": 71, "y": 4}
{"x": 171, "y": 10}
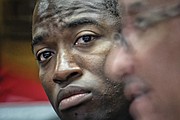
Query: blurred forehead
{"x": 160, "y": 2}
{"x": 150, "y": 2}
{"x": 148, "y": 12}
{"x": 141, "y": 5}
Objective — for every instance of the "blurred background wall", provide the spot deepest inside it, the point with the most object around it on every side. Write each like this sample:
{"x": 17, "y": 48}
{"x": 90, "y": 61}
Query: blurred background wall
{"x": 18, "y": 69}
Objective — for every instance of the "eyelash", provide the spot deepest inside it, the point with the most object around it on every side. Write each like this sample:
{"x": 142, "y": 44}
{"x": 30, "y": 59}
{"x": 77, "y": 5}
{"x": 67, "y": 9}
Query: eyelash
{"x": 87, "y": 39}
{"x": 44, "y": 55}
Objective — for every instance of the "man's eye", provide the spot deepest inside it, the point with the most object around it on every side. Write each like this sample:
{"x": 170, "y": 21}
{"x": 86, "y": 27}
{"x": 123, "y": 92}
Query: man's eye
{"x": 85, "y": 39}
{"x": 45, "y": 55}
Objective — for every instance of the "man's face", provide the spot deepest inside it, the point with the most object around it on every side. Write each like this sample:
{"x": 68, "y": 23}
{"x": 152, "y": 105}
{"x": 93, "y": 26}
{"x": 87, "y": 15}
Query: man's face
{"x": 71, "y": 40}
{"x": 150, "y": 64}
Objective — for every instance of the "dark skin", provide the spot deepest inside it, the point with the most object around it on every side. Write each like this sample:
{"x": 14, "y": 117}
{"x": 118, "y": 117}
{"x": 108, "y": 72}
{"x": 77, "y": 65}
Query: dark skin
{"x": 71, "y": 40}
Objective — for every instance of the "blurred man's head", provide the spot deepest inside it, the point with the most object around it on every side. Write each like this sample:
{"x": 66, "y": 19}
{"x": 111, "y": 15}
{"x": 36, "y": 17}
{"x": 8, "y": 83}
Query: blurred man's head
{"x": 150, "y": 63}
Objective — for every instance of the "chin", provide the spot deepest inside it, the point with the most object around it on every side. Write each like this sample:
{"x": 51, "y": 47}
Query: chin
{"x": 90, "y": 112}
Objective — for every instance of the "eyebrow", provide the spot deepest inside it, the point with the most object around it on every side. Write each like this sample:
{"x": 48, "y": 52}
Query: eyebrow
{"x": 39, "y": 38}
{"x": 80, "y": 22}
{"x": 72, "y": 24}
{"x": 157, "y": 15}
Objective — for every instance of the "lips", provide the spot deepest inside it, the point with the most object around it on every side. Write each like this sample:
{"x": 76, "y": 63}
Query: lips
{"x": 72, "y": 96}
{"x": 136, "y": 91}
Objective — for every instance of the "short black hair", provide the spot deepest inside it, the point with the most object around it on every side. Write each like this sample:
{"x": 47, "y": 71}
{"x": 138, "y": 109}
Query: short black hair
{"x": 113, "y": 7}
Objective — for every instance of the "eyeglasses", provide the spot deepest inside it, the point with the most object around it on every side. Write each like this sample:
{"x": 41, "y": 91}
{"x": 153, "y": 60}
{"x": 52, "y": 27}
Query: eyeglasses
{"x": 147, "y": 18}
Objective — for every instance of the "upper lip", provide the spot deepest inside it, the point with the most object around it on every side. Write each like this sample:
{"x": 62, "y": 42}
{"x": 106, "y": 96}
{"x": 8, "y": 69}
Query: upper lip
{"x": 70, "y": 91}
{"x": 135, "y": 89}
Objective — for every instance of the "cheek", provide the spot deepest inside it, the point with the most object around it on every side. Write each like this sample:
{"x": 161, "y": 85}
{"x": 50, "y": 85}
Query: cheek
{"x": 91, "y": 63}
{"x": 48, "y": 84}
{"x": 45, "y": 78}
{"x": 159, "y": 67}
{"x": 94, "y": 60}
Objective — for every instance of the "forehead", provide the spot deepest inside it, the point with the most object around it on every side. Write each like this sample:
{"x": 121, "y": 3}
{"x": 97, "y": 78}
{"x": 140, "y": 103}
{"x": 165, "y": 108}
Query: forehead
{"x": 65, "y": 9}
{"x": 64, "y": 6}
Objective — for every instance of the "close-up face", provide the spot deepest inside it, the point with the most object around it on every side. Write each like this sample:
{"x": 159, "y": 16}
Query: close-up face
{"x": 150, "y": 64}
{"x": 71, "y": 39}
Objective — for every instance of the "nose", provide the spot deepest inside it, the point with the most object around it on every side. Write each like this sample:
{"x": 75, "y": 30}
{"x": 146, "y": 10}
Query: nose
{"x": 121, "y": 64}
{"x": 66, "y": 69}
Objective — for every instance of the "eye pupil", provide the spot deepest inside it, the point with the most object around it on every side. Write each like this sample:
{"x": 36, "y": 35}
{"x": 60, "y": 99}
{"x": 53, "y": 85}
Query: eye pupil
{"x": 86, "y": 38}
{"x": 46, "y": 55}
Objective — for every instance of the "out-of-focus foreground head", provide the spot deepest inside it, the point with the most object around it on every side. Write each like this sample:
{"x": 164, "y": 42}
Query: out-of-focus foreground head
{"x": 151, "y": 29}
{"x": 71, "y": 39}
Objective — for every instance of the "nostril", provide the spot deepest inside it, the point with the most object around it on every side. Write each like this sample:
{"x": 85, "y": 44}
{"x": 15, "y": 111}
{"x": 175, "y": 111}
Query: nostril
{"x": 58, "y": 81}
{"x": 65, "y": 76}
{"x": 74, "y": 75}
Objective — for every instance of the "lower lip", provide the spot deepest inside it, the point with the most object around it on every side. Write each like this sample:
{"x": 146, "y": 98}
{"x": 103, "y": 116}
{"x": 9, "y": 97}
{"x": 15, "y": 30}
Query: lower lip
{"x": 138, "y": 105}
{"x": 74, "y": 100}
